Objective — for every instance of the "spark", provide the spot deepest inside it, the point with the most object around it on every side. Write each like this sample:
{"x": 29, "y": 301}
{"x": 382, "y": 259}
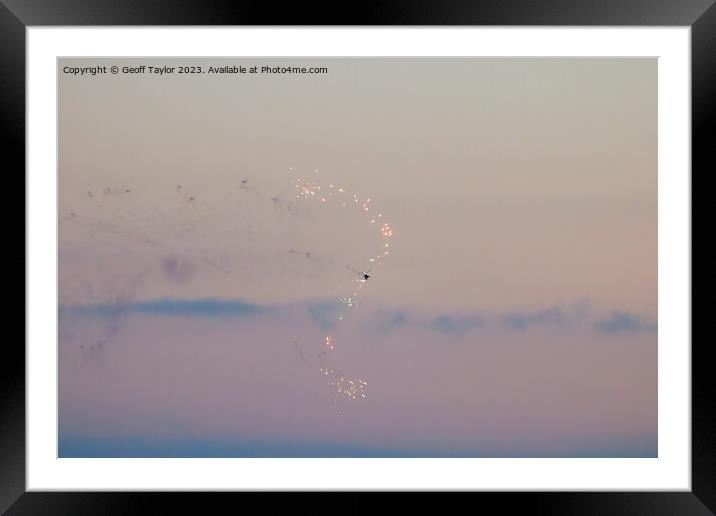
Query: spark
{"x": 347, "y": 386}
{"x": 350, "y": 302}
{"x": 306, "y": 189}
{"x": 387, "y": 230}
{"x": 350, "y": 387}
{"x": 329, "y": 342}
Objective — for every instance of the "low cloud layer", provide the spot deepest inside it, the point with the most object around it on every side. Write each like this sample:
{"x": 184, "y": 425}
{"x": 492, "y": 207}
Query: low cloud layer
{"x": 623, "y": 322}
{"x": 171, "y": 307}
{"x": 324, "y": 315}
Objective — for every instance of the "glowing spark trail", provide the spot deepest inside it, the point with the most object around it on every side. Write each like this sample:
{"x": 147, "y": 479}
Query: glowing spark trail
{"x": 191, "y": 211}
{"x": 350, "y": 302}
{"x": 346, "y": 386}
{"x": 329, "y": 342}
{"x": 305, "y": 189}
{"x": 352, "y": 388}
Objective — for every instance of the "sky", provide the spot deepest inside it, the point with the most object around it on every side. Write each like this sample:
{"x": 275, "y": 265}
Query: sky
{"x": 201, "y": 270}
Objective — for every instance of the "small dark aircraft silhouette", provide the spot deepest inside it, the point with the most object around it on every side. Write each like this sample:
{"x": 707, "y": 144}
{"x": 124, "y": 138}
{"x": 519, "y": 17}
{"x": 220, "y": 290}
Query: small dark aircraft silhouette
{"x": 364, "y": 275}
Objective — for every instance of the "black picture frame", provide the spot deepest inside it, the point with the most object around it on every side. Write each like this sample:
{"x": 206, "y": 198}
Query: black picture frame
{"x": 16, "y": 15}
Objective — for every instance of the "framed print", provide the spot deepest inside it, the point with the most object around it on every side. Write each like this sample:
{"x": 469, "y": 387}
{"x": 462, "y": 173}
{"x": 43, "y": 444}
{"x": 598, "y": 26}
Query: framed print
{"x": 424, "y": 252}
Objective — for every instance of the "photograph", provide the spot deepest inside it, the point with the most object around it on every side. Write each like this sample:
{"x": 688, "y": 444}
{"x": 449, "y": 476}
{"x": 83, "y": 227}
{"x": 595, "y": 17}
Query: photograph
{"x": 357, "y": 257}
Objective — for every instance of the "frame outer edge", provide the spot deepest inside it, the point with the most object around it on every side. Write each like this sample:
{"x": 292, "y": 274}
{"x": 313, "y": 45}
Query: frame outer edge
{"x": 12, "y": 379}
{"x": 12, "y": 120}
{"x": 703, "y": 114}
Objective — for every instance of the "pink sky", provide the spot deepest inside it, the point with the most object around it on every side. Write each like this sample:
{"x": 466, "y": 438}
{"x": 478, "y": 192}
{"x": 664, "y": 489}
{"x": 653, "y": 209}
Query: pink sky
{"x": 520, "y": 290}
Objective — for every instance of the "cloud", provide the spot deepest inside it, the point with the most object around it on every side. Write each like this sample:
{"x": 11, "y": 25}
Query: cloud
{"x": 172, "y": 307}
{"x": 574, "y": 315}
{"x": 326, "y": 313}
{"x": 387, "y": 320}
{"x": 456, "y": 324}
{"x": 623, "y": 322}
{"x": 550, "y": 316}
